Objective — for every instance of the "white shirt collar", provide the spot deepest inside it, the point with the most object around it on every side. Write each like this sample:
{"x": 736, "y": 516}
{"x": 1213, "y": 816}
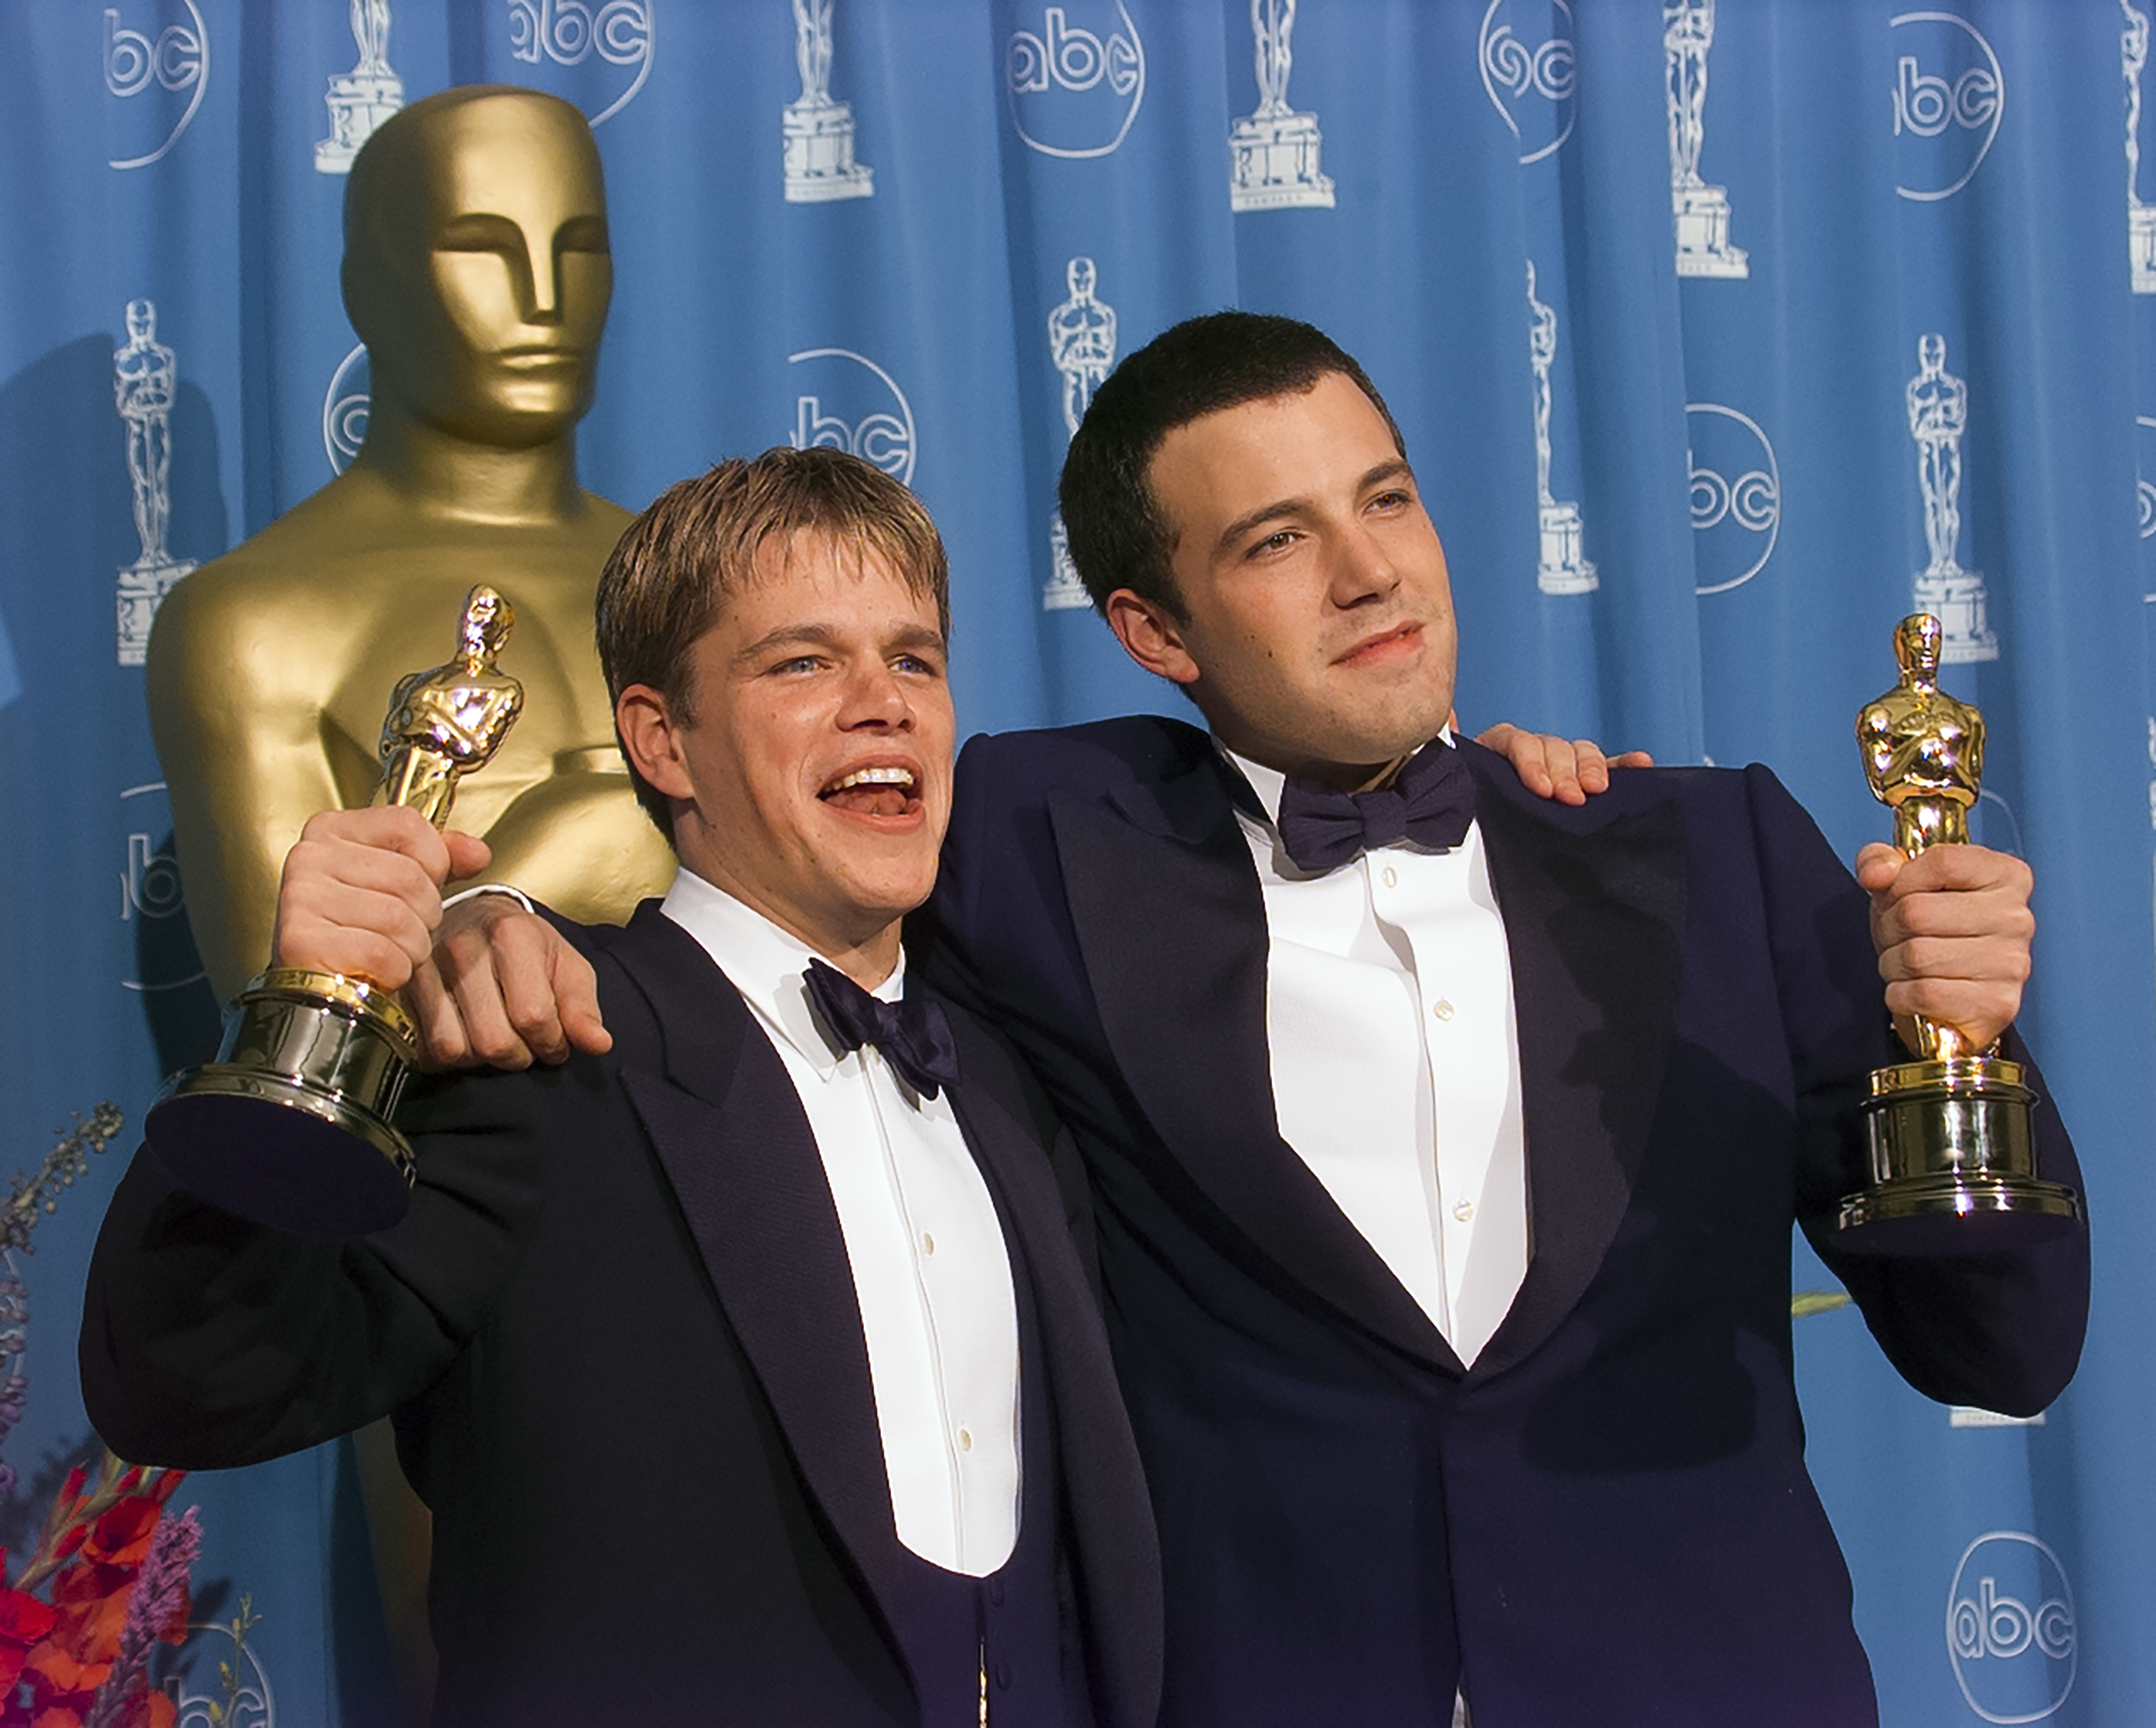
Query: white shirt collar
{"x": 765, "y": 964}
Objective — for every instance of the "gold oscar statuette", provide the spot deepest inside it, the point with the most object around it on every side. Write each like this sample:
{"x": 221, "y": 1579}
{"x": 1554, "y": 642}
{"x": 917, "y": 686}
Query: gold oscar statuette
{"x": 1953, "y": 1155}
{"x": 291, "y": 1125}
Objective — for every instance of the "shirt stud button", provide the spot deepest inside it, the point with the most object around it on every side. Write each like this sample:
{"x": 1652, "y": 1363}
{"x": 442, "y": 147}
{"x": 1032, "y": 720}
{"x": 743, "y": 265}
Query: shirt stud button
{"x": 1463, "y": 1209}
{"x": 928, "y": 1243}
{"x": 1442, "y": 1009}
{"x": 965, "y": 1439}
{"x": 1392, "y": 877}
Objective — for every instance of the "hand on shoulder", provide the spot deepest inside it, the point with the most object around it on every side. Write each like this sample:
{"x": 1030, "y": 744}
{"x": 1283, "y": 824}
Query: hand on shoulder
{"x": 1570, "y": 770}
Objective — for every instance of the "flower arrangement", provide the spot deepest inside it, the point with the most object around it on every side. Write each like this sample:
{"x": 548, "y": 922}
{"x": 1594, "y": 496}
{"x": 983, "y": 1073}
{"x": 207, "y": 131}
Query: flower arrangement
{"x": 115, "y": 1568}
{"x": 108, "y": 1581}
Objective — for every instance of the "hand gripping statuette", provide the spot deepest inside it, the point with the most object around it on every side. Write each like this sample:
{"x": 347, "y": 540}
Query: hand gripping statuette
{"x": 290, "y": 1125}
{"x": 1949, "y": 1133}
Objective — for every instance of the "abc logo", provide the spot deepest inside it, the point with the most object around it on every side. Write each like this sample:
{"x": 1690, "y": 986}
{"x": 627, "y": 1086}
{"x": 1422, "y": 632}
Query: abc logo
{"x": 845, "y": 401}
{"x": 1075, "y": 85}
{"x": 2010, "y": 1629}
{"x": 167, "y": 56}
{"x": 1949, "y": 94}
{"x": 1532, "y": 80}
{"x": 568, "y": 32}
{"x": 345, "y": 405}
{"x": 1736, "y": 496}
{"x": 2145, "y": 488}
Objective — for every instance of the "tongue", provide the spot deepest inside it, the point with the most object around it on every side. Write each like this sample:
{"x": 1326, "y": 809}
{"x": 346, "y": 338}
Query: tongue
{"x": 869, "y": 800}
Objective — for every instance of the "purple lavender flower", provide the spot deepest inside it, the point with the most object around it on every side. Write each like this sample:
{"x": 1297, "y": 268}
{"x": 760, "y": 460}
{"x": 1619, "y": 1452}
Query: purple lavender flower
{"x": 159, "y": 1595}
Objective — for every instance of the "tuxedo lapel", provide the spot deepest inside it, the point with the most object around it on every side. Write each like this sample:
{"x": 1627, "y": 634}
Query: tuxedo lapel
{"x": 736, "y": 1145}
{"x": 1594, "y": 912}
{"x": 1171, "y": 922}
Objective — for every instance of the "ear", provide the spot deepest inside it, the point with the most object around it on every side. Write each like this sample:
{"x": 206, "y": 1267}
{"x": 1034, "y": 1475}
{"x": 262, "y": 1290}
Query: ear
{"x": 652, "y": 740}
{"x": 1151, "y": 636}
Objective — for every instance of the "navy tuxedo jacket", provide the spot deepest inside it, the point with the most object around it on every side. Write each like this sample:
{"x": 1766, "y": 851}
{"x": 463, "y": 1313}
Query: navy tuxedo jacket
{"x": 1608, "y": 1519}
{"x": 618, "y": 1334}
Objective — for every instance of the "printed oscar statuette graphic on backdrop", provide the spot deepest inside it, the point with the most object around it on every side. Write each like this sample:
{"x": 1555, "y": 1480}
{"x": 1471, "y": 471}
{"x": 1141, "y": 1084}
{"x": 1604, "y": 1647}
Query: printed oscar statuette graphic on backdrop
{"x": 1952, "y": 1151}
{"x": 818, "y": 130}
{"x": 362, "y": 99}
{"x": 1938, "y": 414}
{"x": 1081, "y": 340}
{"x": 1701, "y": 211}
{"x": 2140, "y": 218}
{"x": 1561, "y": 569}
{"x": 145, "y": 381}
{"x": 1274, "y": 154}
{"x": 291, "y": 1125}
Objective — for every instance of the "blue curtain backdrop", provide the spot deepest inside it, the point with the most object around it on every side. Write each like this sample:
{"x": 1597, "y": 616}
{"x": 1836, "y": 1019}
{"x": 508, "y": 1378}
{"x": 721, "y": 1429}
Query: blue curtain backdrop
{"x": 1836, "y": 305}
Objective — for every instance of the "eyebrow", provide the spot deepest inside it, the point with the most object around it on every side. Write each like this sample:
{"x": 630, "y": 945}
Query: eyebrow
{"x": 813, "y": 633}
{"x": 1395, "y": 468}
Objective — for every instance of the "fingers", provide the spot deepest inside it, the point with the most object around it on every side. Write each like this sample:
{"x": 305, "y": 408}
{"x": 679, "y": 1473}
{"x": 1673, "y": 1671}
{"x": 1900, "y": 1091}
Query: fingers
{"x": 1953, "y": 928}
{"x": 360, "y": 895}
{"x": 1523, "y": 750}
{"x": 507, "y": 989}
{"x": 443, "y": 1043}
{"x": 1570, "y": 770}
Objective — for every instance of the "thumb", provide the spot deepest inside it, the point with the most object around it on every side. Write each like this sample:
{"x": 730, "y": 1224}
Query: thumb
{"x": 469, "y": 855}
{"x": 1877, "y": 866}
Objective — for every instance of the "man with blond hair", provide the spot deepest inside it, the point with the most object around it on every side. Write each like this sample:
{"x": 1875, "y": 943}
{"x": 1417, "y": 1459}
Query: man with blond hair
{"x": 750, "y": 1367}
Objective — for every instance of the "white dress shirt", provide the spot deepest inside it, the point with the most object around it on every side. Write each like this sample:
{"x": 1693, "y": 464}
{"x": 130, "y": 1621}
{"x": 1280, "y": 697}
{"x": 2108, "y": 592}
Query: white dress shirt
{"x": 931, "y": 1271}
{"x": 1395, "y": 1060}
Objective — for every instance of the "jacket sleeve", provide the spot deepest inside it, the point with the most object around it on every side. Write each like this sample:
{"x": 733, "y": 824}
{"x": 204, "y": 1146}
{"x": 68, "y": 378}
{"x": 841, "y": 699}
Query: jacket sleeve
{"x": 209, "y": 1341}
{"x": 1997, "y": 1327}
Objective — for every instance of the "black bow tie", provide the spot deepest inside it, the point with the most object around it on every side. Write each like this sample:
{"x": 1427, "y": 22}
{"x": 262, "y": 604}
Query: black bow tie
{"x": 1429, "y": 801}
{"x": 914, "y": 1035}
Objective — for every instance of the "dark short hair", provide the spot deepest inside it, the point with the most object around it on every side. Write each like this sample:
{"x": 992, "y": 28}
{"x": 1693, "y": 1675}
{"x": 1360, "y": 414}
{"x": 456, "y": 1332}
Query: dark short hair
{"x": 1118, "y": 538}
{"x": 670, "y": 575}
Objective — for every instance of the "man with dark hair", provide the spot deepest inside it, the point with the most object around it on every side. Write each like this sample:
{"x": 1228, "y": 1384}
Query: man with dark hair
{"x": 1446, "y": 1141}
{"x": 751, "y": 1368}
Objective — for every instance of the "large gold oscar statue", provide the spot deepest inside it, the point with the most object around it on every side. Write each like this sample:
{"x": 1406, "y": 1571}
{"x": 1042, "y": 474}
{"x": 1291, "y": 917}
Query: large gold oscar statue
{"x": 476, "y": 271}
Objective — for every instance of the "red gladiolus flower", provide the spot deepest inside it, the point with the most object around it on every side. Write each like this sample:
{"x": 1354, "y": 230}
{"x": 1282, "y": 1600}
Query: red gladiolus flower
{"x": 121, "y": 1536}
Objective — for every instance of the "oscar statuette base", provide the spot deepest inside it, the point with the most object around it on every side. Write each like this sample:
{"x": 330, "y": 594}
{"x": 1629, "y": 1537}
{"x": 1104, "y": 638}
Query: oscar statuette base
{"x": 290, "y": 1125}
{"x": 1953, "y": 1164}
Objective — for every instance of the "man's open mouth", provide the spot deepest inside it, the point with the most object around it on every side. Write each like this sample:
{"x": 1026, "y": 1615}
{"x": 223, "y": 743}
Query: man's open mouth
{"x": 890, "y": 791}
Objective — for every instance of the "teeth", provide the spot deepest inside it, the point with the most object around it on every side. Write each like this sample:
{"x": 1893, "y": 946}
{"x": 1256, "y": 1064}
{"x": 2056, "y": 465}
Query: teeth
{"x": 874, "y": 777}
